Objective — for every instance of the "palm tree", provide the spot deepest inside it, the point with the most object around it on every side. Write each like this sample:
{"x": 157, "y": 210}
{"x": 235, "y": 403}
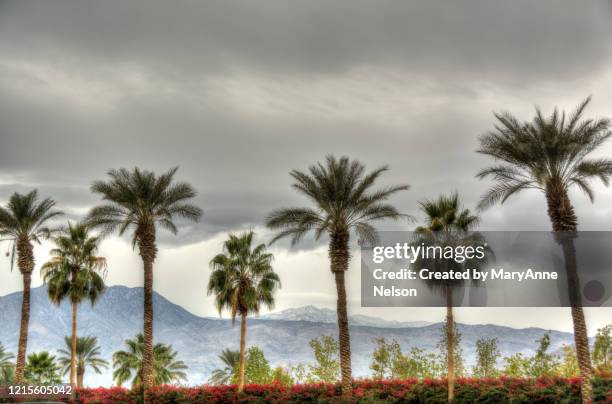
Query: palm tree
{"x": 446, "y": 223}
{"x": 24, "y": 221}
{"x": 551, "y": 155}
{"x": 143, "y": 201}
{"x": 6, "y": 365}
{"x": 87, "y": 354}
{"x": 231, "y": 360}
{"x": 242, "y": 280}
{"x": 129, "y": 364}
{"x": 343, "y": 202}
{"x": 74, "y": 272}
{"x": 42, "y": 369}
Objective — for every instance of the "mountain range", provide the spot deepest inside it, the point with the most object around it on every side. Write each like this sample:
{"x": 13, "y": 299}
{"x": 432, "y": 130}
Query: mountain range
{"x": 283, "y": 336}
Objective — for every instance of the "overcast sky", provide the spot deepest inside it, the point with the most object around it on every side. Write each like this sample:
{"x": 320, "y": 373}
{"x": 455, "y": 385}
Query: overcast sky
{"x": 238, "y": 93}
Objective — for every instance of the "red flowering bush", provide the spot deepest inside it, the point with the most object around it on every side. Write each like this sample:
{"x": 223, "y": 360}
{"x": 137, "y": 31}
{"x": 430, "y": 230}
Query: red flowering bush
{"x": 467, "y": 390}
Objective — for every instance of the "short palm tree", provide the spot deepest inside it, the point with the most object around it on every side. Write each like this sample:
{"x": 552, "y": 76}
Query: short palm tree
{"x": 231, "y": 360}
{"x": 343, "y": 201}
{"x": 143, "y": 201}
{"x": 42, "y": 369}
{"x": 75, "y": 273}
{"x": 551, "y": 156}
{"x": 7, "y": 367}
{"x": 24, "y": 221}
{"x": 128, "y": 364}
{"x": 446, "y": 223}
{"x": 242, "y": 280}
{"x": 87, "y": 354}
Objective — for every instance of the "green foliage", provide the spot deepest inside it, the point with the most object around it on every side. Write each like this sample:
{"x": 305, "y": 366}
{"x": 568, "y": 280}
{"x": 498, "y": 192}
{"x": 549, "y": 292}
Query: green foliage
{"x": 389, "y": 362}
{"x": 516, "y": 366}
{"x": 27, "y": 217}
{"x": 74, "y": 270}
{"x": 282, "y": 376}
{"x": 41, "y": 368}
{"x": 418, "y": 363}
{"x": 87, "y": 355}
{"x": 7, "y": 367}
{"x": 383, "y": 358}
{"x": 569, "y": 363}
{"x": 243, "y": 278}
{"x": 257, "y": 368}
{"x": 457, "y": 351}
{"x": 602, "y": 349}
{"x": 487, "y": 355}
{"x": 343, "y": 200}
{"x": 327, "y": 367}
{"x": 166, "y": 368}
{"x": 226, "y": 374}
{"x": 140, "y": 198}
{"x": 543, "y": 153}
{"x": 543, "y": 362}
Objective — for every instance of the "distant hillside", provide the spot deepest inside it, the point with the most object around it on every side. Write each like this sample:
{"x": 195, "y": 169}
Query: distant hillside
{"x": 283, "y": 336}
{"x": 319, "y": 315}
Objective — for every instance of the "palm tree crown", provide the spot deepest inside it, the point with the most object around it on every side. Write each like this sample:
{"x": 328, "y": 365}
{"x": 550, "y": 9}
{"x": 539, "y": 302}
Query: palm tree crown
{"x": 75, "y": 255}
{"x": 140, "y": 199}
{"x": 343, "y": 199}
{"x": 128, "y": 363}
{"x": 548, "y": 154}
{"x": 230, "y": 360}
{"x": 87, "y": 355}
{"x": 42, "y": 369}
{"x": 27, "y": 217}
{"x": 243, "y": 277}
{"x": 445, "y": 214}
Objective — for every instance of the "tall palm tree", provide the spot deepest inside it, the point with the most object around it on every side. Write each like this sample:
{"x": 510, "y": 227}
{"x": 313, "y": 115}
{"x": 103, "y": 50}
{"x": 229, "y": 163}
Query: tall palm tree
{"x": 129, "y": 364}
{"x": 446, "y": 223}
{"x": 242, "y": 280}
{"x": 231, "y": 360}
{"x": 141, "y": 200}
{"x": 42, "y": 369}
{"x": 343, "y": 201}
{"x": 24, "y": 221}
{"x": 551, "y": 155}
{"x": 87, "y": 354}
{"x": 74, "y": 272}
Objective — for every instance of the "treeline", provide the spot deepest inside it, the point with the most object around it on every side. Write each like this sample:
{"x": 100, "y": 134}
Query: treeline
{"x": 549, "y": 154}
{"x": 390, "y": 362}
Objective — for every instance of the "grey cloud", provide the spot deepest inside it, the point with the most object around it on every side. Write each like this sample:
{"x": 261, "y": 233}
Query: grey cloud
{"x": 239, "y": 163}
{"x": 542, "y": 39}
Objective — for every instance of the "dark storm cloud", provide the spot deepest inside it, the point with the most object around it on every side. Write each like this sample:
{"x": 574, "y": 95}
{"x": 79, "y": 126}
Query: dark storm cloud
{"x": 91, "y": 85}
{"x": 539, "y": 38}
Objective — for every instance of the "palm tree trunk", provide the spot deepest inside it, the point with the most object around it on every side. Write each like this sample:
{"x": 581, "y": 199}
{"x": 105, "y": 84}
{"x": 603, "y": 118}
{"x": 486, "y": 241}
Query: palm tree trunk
{"x": 339, "y": 256}
{"x": 73, "y": 345}
{"x": 80, "y": 376}
{"x": 450, "y": 345}
{"x": 148, "y": 251}
{"x": 25, "y": 262}
{"x": 564, "y": 221}
{"x": 242, "y": 351}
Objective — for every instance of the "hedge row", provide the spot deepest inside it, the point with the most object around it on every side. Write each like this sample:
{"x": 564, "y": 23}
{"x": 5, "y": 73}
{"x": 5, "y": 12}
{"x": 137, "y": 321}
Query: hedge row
{"x": 499, "y": 390}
